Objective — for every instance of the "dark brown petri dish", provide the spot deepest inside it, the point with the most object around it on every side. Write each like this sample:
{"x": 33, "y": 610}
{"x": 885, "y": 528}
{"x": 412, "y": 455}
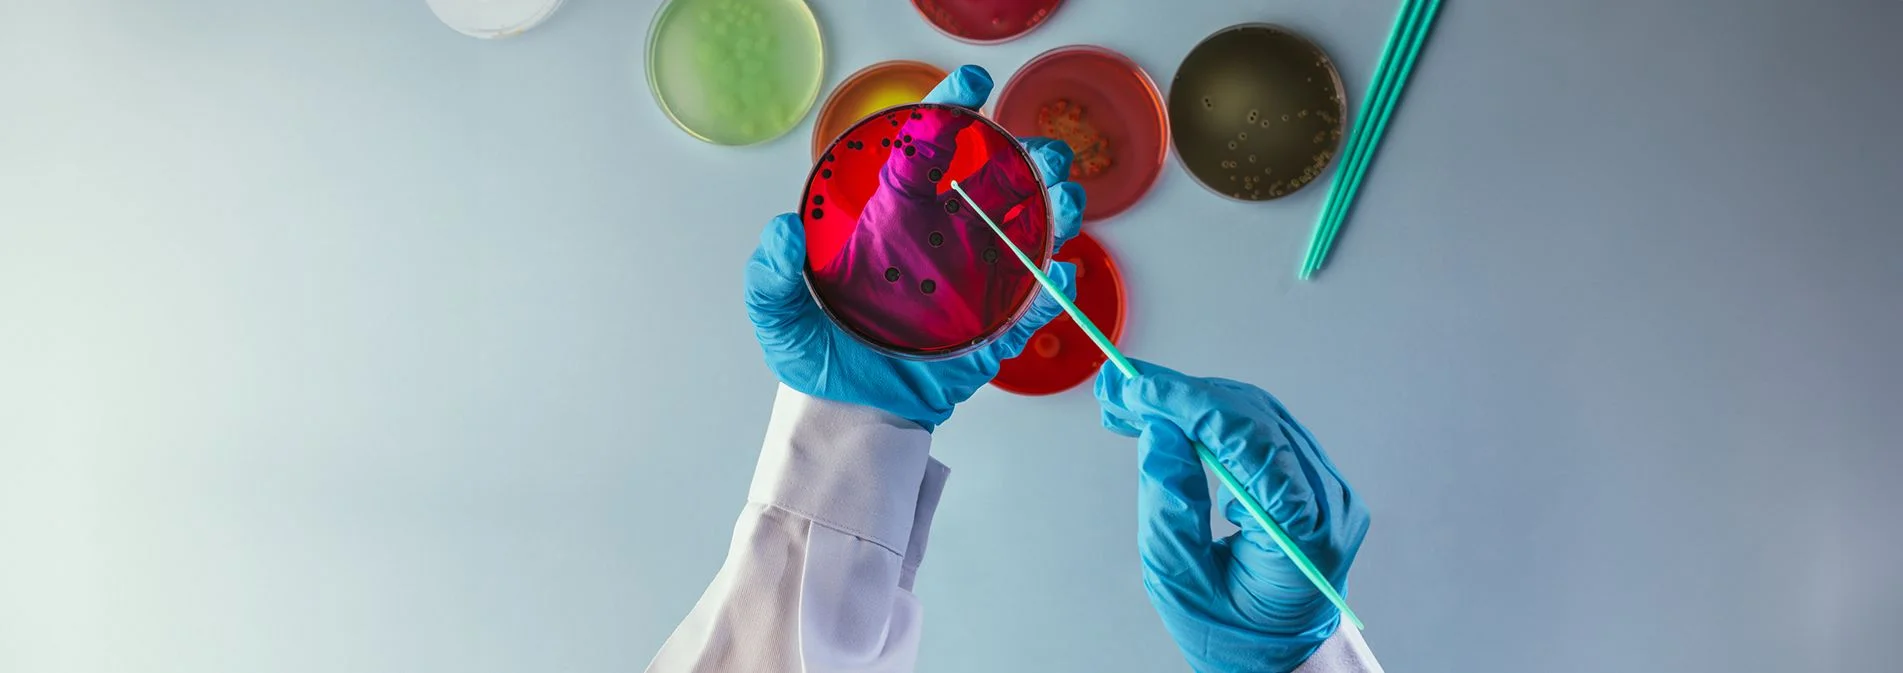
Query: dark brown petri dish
{"x": 1256, "y": 112}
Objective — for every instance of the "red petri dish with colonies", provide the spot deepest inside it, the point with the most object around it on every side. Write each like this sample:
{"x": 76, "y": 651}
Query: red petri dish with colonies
{"x": 986, "y": 21}
{"x": 1106, "y": 108}
{"x": 1060, "y": 355}
{"x": 899, "y": 260}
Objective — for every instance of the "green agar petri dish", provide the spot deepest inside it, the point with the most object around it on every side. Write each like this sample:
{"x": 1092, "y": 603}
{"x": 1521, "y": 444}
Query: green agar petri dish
{"x": 735, "y": 72}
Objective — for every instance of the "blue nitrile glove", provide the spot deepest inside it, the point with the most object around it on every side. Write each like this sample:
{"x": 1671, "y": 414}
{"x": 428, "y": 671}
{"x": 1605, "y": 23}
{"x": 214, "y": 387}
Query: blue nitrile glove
{"x": 812, "y": 355}
{"x": 1237, "y": 604}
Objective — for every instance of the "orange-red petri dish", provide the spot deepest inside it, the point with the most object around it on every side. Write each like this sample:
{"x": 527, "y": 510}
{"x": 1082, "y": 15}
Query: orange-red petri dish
{"x": 1106, "y": 108}
{"x": 871, "y": 89}
{"x": 1060, "y": 355}
{"x": 900, "y": 261}
{"x": 986, "y": 21}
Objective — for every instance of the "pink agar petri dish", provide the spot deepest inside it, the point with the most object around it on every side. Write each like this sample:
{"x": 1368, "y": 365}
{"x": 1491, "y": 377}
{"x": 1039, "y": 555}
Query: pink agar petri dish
{"x": 986, "y": 21}
{"x": 899, "y": 260}
{"x": 1106, "y": 108}
{"x": 1060, "y": 356}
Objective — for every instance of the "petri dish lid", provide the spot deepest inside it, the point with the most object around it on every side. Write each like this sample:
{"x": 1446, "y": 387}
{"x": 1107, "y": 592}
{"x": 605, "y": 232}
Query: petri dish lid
{"x": 986, "y": 21}
{"x": 1103, "y": 105}
{"x": 896, "y": 258}
{"x": 1256, "y": 112}
{"x": 874, "y": 88}
{"x": 1060, "y": 355}
{"x": 491, "y": 19}
{"x": 735, "y": 72}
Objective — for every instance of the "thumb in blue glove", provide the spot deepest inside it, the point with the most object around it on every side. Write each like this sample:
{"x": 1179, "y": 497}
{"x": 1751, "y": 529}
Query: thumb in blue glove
{"x": 1236, "y": 604}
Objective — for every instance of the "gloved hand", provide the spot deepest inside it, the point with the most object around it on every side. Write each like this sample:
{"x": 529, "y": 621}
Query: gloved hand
{"x": 812, "y": 355}
{"x": 1236, "y": 604}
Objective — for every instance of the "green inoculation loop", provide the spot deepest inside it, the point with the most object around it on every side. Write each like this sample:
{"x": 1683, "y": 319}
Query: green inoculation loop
{"x": 735, "y": 72}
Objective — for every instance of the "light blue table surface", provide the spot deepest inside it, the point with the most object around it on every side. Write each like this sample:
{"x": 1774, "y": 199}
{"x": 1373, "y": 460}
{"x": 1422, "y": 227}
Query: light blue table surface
{"x": 333, "y": 340}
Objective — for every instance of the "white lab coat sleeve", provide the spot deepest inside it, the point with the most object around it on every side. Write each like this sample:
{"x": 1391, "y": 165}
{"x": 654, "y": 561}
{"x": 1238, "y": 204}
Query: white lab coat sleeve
{"x": 819, "y": 573}
{"x": 1344, "y": 652}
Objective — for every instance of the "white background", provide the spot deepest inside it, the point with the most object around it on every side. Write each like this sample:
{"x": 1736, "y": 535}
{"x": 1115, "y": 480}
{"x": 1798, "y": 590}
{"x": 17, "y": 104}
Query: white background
{"x": 333, "y": 340}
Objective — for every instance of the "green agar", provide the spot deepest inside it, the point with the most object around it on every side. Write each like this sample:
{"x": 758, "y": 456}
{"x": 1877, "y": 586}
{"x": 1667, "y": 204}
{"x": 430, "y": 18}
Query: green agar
{"x": 735, "y": 72}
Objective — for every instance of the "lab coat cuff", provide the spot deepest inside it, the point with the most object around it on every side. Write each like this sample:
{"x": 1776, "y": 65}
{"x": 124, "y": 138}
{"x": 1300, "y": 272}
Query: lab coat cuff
{"x": 854, "y": 469}
{"x": 1343, "y": 652}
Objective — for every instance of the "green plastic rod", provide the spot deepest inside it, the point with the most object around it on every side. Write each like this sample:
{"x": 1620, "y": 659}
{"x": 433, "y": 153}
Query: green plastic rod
{"x": 1383, "y": 70}
{"x": 1227, "y": 478}
{"x": 1367, "y": 150}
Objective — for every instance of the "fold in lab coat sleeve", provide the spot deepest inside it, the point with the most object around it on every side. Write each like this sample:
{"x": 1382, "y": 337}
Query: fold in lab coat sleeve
{"x": 819, "y": 573}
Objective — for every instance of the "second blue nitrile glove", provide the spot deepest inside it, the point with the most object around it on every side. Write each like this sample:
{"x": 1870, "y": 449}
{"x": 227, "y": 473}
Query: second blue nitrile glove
{"x": 1236, "y": 605}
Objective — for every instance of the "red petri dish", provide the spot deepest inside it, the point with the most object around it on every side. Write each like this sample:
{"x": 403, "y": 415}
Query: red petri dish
{"x": 986, "y": 21}
{"x": 1106, "y": 108}
{"x": 874, "y": 88}
{"x": 896, "y": 258}
{"x": 1060, "y": 355}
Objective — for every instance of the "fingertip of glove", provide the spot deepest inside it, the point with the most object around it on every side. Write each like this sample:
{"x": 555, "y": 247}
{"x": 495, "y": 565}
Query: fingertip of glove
{"x": 1053, "y": 158}
{"x": 1064, "y": 274}
{"x": 1070, "y": 197}
{"x": 782, "y": 230}
{"x": 1067, "y": 204}
{"x": 1109, "y": 385}
{"x": 968, "y": 87}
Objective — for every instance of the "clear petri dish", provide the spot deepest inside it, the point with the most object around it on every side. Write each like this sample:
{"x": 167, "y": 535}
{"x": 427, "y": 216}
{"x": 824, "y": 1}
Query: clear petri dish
{"x": 735, "y": 72}
{"x": 874, "y": 88}
{"x": 493, "y": 19}
{"x": 1060, "y": 356}
{"x": 1256, "y": 112}
{"x": 1106, "y": 108}
{"x": 986, "y": 21}
{"x": 896, "y": 258}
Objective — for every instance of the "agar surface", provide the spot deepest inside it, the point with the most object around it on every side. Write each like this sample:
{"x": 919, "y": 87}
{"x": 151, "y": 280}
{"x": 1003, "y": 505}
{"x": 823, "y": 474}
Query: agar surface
{"x": 892, "y": 255}
{"x": 741, "y": 59}
{"x": 1064, "y": 120}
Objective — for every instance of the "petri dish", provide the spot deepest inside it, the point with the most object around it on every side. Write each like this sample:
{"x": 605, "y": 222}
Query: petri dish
{"x": 1060, "y": 356}
{"x": 493, "y": 19}
{"x": 1256, "y": 112}
{"x": 986, "y": 21}
{"x": 1106, "y": 108}
{"x": 735, "y": 72}
{"x": 896, "y": 258}
{"x": 874, "y": 88}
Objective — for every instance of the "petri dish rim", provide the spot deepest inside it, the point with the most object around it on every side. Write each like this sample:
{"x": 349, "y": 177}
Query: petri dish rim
{"x": 1047, "y": 250}
{"x": 1157, "y": 98}
{"x": 916, "y": 6}
{"x": 812, "y": 96}
{"x": 1334, "y": 73}
{"x": 858, "y": 78}
{"x": 548, "y": 10}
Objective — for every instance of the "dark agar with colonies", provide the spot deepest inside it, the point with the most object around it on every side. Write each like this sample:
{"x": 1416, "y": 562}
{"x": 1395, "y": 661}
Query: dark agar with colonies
{"x": 1060, "y": 355}
{"x": 1256, "y": 112}
{"x": 1106, "y": 108}
{"x": 986, "y": 21}
{"x": 895, "y": 257}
